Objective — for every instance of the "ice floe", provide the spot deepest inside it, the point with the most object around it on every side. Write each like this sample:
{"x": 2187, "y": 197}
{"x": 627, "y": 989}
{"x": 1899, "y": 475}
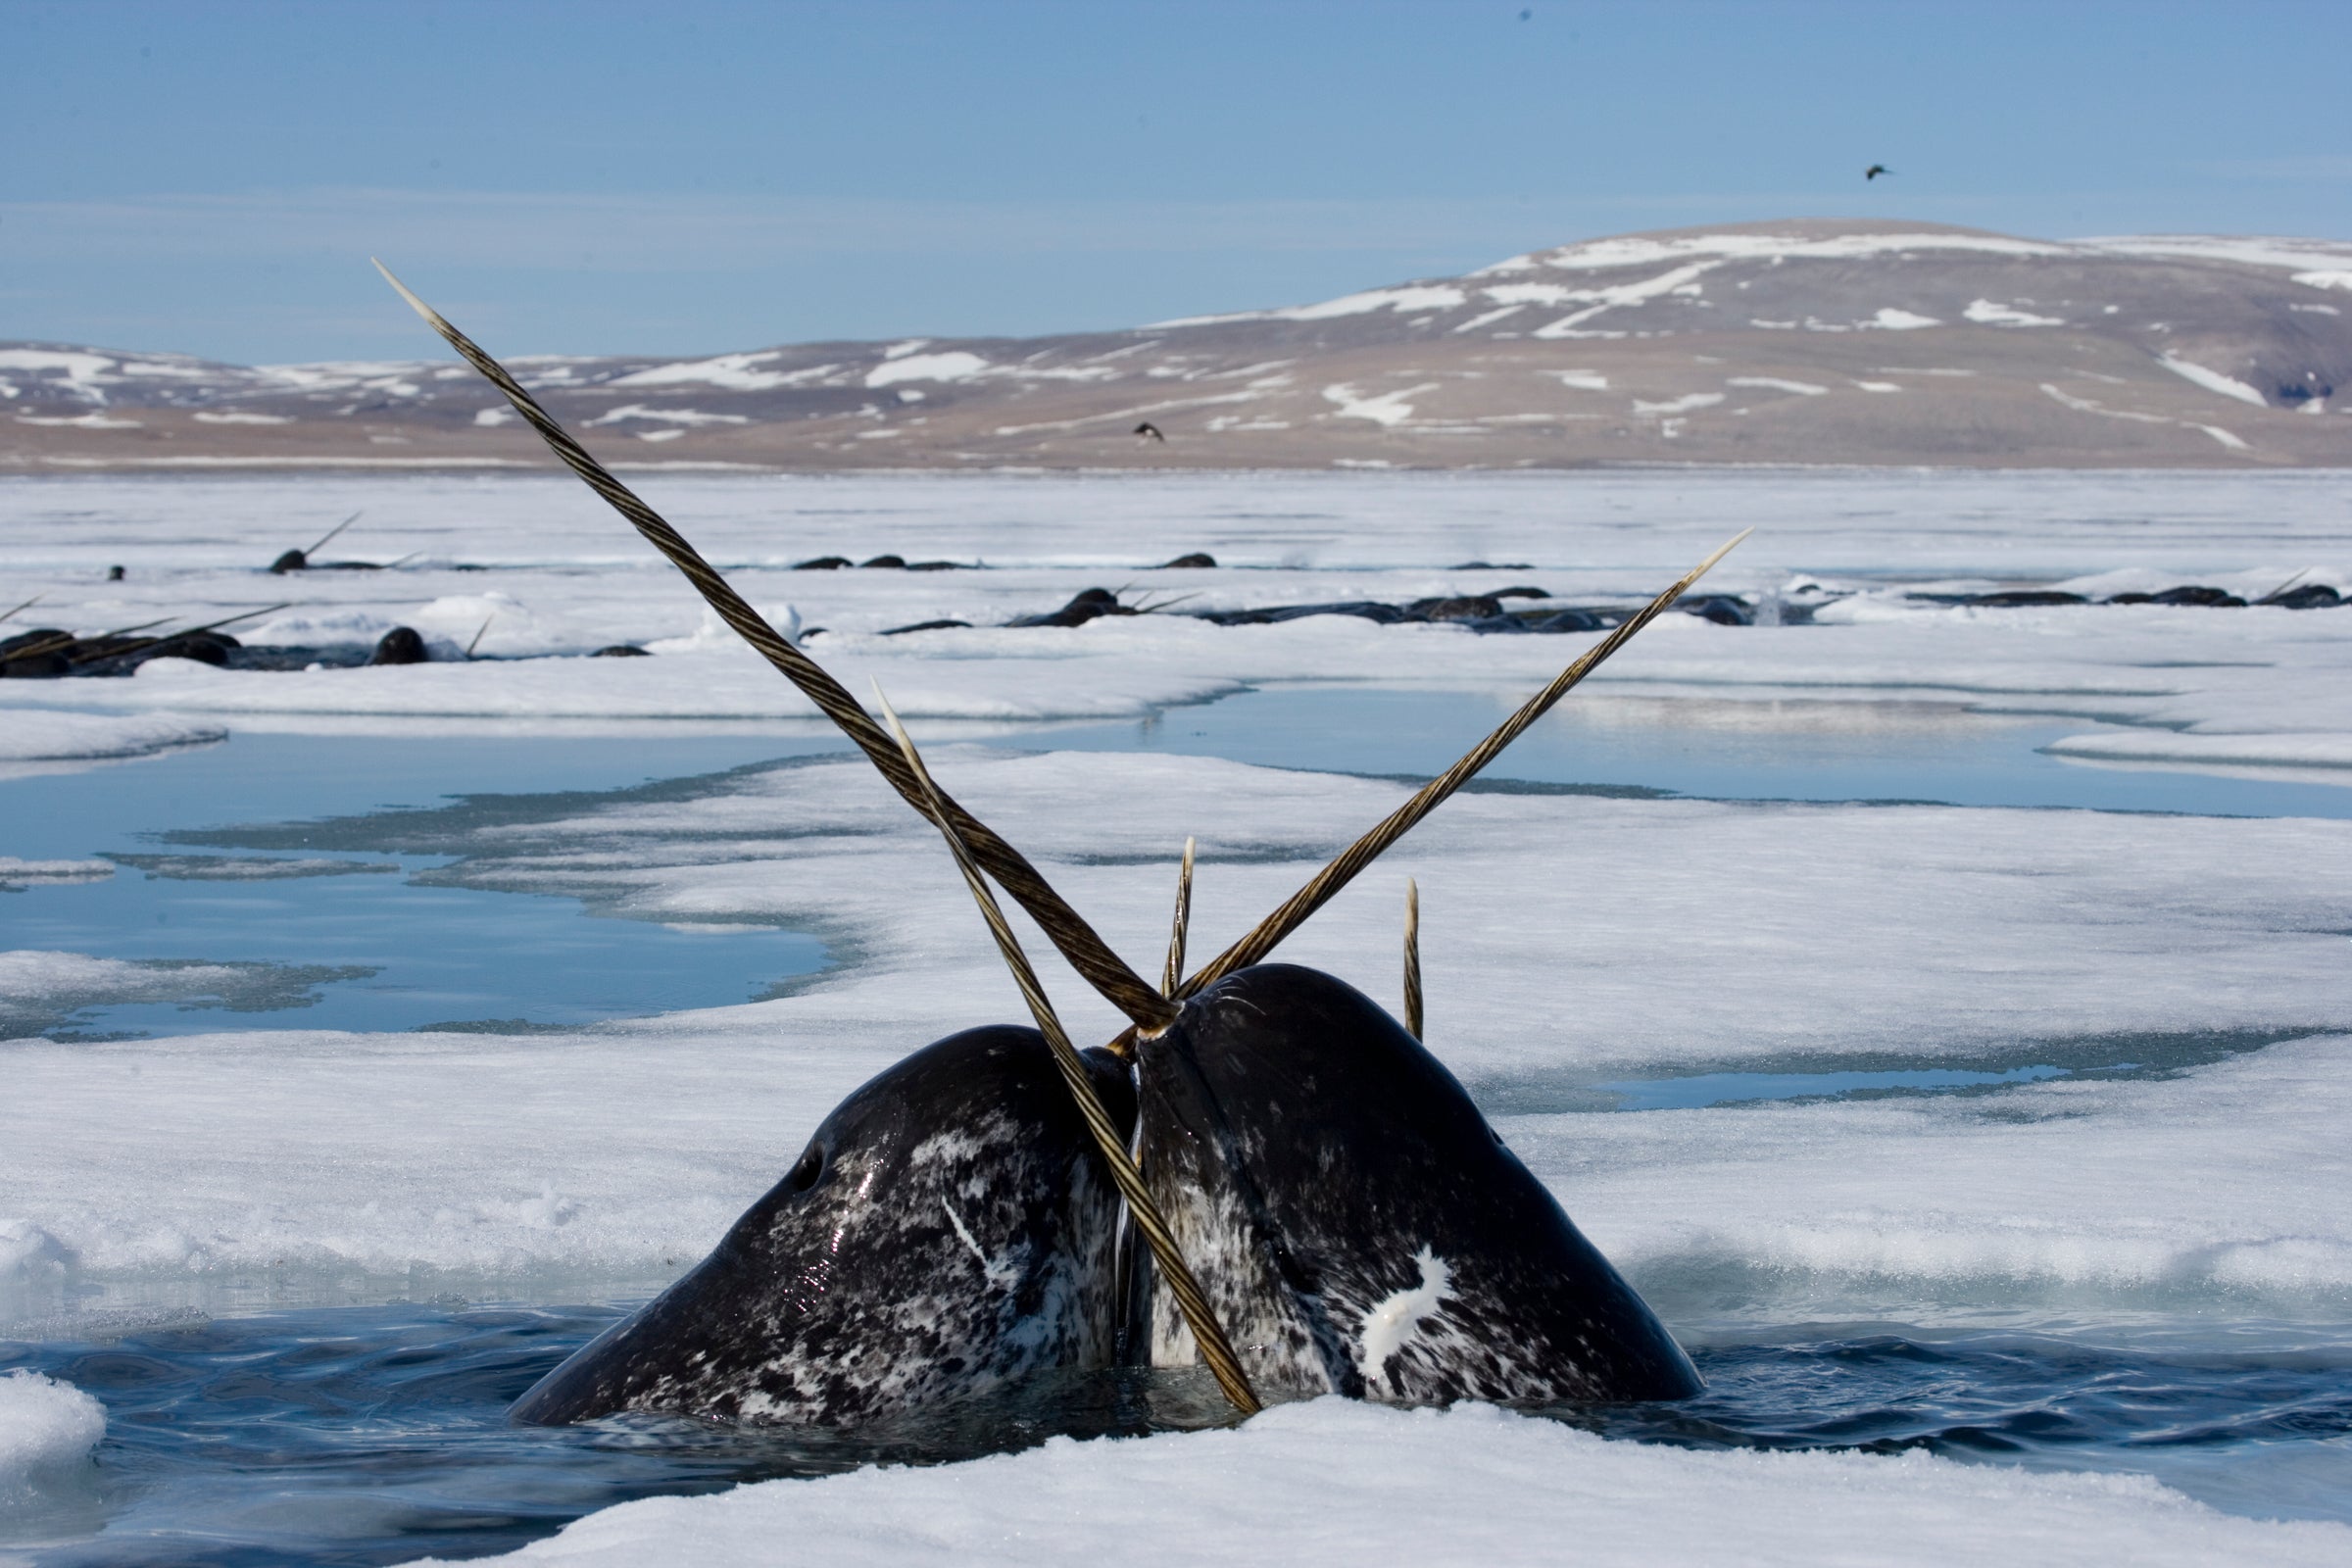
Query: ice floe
{"x": 48, "y": 1432}
{"x": 35, "y": 736}
{"x": 1334, "y": 1482}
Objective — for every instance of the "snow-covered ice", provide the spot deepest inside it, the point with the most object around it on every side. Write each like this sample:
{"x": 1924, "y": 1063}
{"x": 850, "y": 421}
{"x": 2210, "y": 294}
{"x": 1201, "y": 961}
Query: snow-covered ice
{"x": 1332, "y": 1482}
{"x": 35, "y": 736}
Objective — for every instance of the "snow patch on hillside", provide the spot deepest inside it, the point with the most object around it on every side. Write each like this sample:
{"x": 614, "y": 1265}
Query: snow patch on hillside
{"x": 952, "y": 365}
{"x": 2214, "y": 380}
{"x": 1987, "y": 313}
{"x": 1603, "y": 254}
{"x": 736, "y": 372}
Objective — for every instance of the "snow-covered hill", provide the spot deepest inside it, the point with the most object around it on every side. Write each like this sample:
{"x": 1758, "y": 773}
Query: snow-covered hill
{"x": 1802, "y": 341}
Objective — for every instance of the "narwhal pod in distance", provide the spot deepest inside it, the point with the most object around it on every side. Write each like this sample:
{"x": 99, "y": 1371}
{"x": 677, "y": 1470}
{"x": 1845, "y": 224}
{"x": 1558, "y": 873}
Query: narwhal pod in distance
{"x": 1358, "y": 1226}
{"x": 950, "y": 1229}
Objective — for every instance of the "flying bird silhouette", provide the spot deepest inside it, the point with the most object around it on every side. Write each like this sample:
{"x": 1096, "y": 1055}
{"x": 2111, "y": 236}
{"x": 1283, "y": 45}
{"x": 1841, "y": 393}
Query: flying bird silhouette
{"x": 1875, "y": 170}
{"x": 1148, "y": 431}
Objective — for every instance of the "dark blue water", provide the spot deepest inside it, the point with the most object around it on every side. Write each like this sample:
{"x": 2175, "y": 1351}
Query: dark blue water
{"x": 371, "y": 1435}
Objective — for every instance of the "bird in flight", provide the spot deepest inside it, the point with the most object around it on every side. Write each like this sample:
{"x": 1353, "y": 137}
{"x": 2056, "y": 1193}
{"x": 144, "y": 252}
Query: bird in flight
{"x": 1148, "y": 431}
{"x": 1875, "y": 170}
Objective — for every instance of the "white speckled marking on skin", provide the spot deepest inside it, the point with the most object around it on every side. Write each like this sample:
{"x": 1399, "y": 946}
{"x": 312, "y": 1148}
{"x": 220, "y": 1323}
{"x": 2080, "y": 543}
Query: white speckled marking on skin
{"x": 1389, "y": 1324}
{"x": 956, "y": 1220}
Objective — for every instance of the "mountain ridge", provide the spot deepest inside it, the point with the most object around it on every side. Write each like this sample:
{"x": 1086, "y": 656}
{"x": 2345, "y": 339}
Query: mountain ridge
{"x": 1803, "y": 340}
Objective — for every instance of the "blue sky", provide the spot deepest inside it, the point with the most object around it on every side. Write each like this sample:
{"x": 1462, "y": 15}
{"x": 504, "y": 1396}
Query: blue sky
{"x": 688, "y": 177}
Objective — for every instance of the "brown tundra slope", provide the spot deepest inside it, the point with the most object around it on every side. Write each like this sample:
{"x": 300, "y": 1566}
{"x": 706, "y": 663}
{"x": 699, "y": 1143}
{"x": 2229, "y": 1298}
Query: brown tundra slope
{"x": 1808, "y": 341}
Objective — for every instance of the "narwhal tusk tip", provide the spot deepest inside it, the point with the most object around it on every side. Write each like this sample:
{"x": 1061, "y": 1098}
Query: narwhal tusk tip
{"x": 407, "y": 293}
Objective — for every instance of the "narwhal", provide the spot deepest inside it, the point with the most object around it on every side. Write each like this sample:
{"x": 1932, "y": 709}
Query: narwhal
{"x": 1324, "y": 1207}
{"x": 949, "y": 1229}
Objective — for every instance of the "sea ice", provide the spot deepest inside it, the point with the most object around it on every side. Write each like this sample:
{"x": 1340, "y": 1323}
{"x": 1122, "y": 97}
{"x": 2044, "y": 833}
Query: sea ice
{"x": 47, "y": 1431}
{"x": 2194, "y": 967}
{"x": 35, "y": 736}
{"x": 1645, "y": 938}
{"x": 1336, "y": 1482}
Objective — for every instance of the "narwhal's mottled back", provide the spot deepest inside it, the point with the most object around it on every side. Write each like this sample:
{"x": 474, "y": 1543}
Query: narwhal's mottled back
{"x": 1358, "y": 1226}
{"x": 949, "y": 1229}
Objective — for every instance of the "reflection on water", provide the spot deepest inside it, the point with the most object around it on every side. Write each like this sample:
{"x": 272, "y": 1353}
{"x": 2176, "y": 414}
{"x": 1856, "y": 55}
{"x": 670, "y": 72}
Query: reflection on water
{"x": 1711, "y": 748}
{"x": 1701, "y": 1090}
{"x": 332, "y": 942}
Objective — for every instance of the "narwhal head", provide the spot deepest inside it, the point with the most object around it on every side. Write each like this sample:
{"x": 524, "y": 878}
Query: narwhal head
{"x": 1306, "y": 1143}
{"x": 1359, "y": 1226}
{"x": 948, "y": 1229}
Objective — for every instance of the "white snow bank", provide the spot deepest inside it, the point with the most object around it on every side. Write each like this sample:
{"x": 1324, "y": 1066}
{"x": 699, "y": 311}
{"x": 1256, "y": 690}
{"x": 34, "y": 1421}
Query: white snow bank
{"x": 48, "y": 1432}
{"x": 30, "y": 736}
{"x": 1330, "y": 1481}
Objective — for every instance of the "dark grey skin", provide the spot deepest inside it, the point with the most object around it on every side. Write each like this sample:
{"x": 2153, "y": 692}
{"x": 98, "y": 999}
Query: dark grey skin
{"x": 950, "y": 1229}
{"x": 1359, "y": 1227}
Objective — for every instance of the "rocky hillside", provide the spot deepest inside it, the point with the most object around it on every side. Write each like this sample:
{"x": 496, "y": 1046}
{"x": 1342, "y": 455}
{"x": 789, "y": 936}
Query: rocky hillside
{"x": 1805, "y": 341}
